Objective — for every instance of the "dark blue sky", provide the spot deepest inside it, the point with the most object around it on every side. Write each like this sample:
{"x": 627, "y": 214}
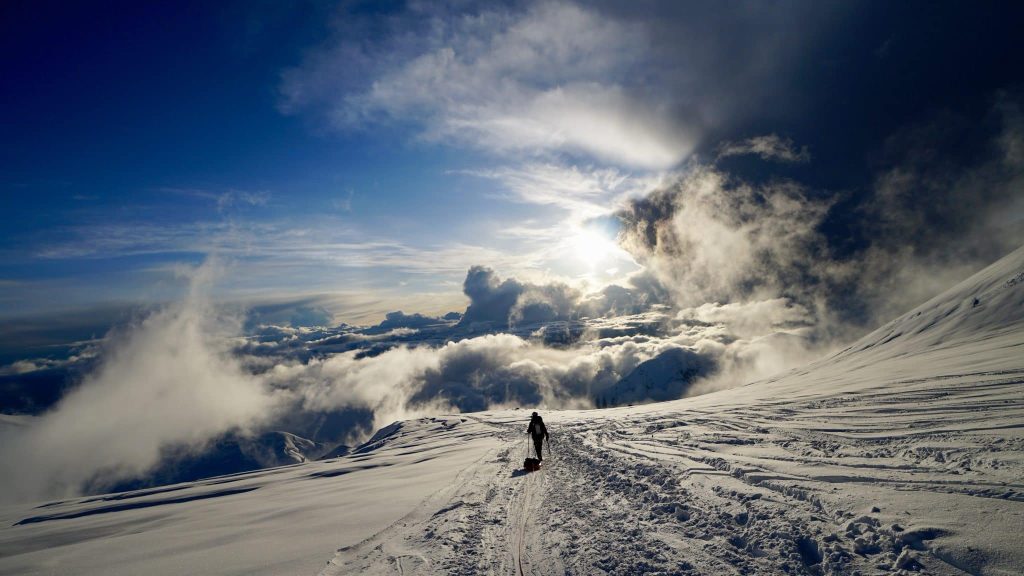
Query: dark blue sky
{"x": 146, "y": 116}
{"x": 369, "y": 153}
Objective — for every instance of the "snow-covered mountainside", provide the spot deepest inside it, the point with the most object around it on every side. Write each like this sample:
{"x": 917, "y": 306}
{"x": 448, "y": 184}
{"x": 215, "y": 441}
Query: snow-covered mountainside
{"x": 903, "y": 452}
{"x": 231, "y": 454}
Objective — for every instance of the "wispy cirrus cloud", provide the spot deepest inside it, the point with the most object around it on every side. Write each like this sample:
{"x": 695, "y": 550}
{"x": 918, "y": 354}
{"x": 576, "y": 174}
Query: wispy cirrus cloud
{"x": 552, "y": 77}
{"x": 224, "y": 199}
{"x": 768, "y": 147}
{"x": 271, "y": 242}
{"x": 584, "y": 191}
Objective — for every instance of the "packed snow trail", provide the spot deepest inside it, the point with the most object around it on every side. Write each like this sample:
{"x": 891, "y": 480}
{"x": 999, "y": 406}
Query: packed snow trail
{"x": 484, "y": 522}
{"x": 906, "y": 476}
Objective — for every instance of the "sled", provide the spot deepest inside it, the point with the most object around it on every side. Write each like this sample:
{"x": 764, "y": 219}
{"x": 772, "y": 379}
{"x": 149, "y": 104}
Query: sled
{"x": 531, "y": 464}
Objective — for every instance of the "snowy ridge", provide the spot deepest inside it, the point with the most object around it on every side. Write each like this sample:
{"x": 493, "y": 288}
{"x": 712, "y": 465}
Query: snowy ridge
{"x": 903, "y": 452}
{"x": 976, "y": 325}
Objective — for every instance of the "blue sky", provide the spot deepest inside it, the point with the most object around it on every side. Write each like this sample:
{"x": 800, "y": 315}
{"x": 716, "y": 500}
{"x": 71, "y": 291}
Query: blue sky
{"x": 366, "y": 155}
{"x": 137, "y": 140}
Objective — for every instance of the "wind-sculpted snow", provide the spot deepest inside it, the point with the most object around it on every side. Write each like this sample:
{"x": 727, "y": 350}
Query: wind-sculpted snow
{"x": 904, "y": 452}
{"x": 282, "y": 520}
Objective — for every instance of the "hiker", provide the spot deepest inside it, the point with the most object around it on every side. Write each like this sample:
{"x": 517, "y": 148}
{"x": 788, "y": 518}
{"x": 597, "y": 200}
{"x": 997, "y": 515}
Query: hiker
{"x": 539, "y": 433}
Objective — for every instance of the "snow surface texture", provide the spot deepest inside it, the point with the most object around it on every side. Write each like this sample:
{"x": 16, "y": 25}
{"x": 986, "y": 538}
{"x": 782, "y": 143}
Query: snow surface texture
{"x": 903, "y": 452}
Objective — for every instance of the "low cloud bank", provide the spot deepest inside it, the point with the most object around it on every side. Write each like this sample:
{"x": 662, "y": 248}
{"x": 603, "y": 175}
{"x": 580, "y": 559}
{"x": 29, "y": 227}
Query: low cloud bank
{"x": 497, "y": 303}
{"x": 171, "y": 379}
{"x": 184, "y": 378}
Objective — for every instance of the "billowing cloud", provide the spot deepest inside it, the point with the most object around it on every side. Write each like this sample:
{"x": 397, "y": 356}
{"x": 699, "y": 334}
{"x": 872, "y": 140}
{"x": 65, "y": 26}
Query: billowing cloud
{"x": 171, "y": 379}
{"x": 935, "y": 217}
{"x": 711, "y": 237}
{"x": 490, "y": 298}
{"x": 614, "y": 300}
{"x": 840, "y": 262}
{"x": 499, "y": 304}
{"x": 754, "y": 318}
{"x": 468, "y": 375}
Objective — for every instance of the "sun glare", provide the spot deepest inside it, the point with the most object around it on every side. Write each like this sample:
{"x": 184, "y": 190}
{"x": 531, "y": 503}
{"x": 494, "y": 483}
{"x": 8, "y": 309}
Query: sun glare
{"x": 593, "y": 247}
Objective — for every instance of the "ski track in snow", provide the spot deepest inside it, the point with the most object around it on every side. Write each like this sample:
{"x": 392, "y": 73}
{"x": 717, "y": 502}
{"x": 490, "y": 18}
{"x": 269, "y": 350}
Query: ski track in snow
{"x": 812, "y": 487}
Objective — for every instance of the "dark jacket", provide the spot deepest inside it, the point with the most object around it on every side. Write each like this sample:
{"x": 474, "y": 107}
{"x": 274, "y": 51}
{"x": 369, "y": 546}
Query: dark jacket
{"x": 537, "y": 429}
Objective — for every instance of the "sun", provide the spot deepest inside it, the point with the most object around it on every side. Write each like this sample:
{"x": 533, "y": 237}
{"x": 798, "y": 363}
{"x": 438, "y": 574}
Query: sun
{"x": 593, "y": 247}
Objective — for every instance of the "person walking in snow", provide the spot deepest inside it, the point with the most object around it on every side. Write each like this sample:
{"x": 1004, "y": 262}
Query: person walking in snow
{"x": 539, "y": 433}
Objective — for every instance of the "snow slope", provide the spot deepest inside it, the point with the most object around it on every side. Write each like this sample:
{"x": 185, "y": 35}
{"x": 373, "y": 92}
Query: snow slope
{"x": 232, "y": 453}
{"x": 903, "y": 452}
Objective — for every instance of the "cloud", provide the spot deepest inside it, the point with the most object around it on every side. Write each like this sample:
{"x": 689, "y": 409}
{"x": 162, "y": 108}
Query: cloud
{"x": 276, "y": 245}
{"x": 584, "y": 191}
{"x": 301, "y": 313}
{"x": 468, "y": 375}
{"x": 770, "y": 147}
{"x": 711, "y": 237}
{"x": 839, "y": 262}
{"x": 26, "y": 366}
{"x": 521, "y": 343}
{"x": 614, "y": 300}
{"x": 624, "y": 86}
{"x": 935, "y": 217}
{"x": 490, "y": 299}
{"x": 545, "y": 77}
{"x": 171, "y": 379}
{"x": 399, "y": 319}
{"x": 225, "y": 200}
{"x": 503, "y": 303}
{"x": 751, "y": 319}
